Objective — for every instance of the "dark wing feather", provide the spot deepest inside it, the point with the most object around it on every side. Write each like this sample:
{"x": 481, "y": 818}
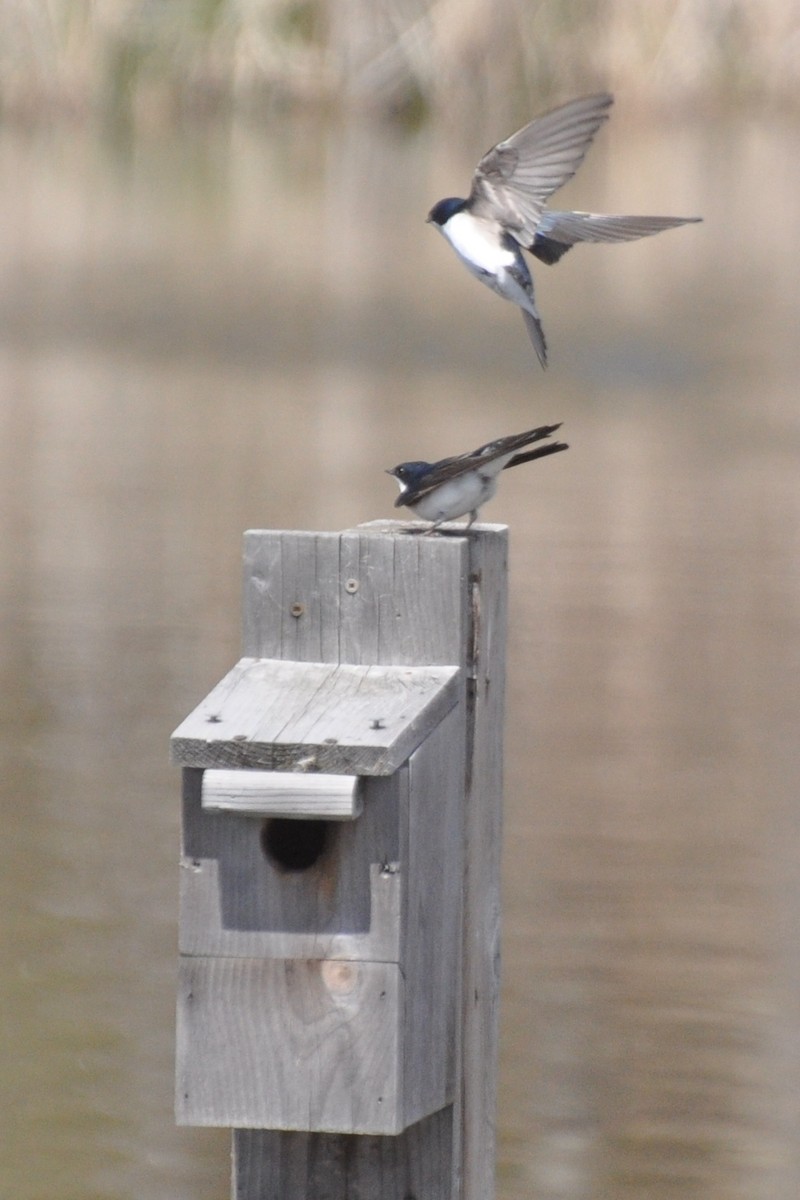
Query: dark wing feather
{"x": 539, "y": 452}
{"x": 451, "y": 468}
{"x": 514, "y": 180}
{"x": 558, "y": 231}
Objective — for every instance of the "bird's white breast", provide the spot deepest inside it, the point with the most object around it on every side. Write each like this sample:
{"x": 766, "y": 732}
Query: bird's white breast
{"x": 477, "y": 243}
{"x": 458, "y": 496}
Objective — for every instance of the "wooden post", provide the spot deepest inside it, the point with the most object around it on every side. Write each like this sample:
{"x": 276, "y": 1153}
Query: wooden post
{"x": 380, "y": 1025}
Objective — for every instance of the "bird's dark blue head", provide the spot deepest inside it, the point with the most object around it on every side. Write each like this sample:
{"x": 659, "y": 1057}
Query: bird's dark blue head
{"x": 441, "y": 212}
{"x": 410, "y": 473}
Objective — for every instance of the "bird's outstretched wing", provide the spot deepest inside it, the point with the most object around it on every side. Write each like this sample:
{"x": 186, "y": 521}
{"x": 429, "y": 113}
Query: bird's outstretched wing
{"x": 536, "y": 334}
{"x": 514, "y": 180}
{"x": 451, "y": 468}
{"x": 557, "y": 232}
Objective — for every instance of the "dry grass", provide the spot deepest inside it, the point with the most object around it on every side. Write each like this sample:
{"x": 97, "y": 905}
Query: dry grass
{"x": 139, "y": 59}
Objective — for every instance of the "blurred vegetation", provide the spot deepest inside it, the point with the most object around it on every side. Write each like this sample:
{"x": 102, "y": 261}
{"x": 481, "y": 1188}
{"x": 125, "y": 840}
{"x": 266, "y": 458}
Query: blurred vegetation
{"x": 155, "y": 59}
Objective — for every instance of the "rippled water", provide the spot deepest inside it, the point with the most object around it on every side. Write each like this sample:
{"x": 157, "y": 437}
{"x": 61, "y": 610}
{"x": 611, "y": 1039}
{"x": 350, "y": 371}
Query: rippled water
{"x": 216, "y": 332}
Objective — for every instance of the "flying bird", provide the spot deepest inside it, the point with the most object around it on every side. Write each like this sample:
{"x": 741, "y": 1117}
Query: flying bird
{"x": 453, "y": 487}
{"x": 505, "y": 211}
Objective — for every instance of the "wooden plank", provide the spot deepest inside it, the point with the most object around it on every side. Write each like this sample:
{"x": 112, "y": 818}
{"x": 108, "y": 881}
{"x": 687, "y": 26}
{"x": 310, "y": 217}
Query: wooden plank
{"x": 329, "y": 717}
{"x": 431, "y": 917}
{"x": 480, "y": 970}
{"x": 428, "y": 598}
{"x": 291, "y": 595}
{"x": 404, "y": 604}
{"x": 372, "y": 595}
{"x": 303, "y": 1044}
{"x": 278, "y": 1166}
{"x": 282, "y": 794}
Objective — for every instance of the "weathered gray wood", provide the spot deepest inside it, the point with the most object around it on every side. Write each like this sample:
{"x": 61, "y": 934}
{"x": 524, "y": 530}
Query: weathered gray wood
{"x": 425, "y": 622}
{"x": 480, "y": 970}
{"x": 301, "y": 1044}
{"x": 265, "y": 1062}
{"x": 432, "y": 918}
{"x": 236, "y": 901}
{"x": 282, "y": 794}
{"x": 329, "y": 717}
{"x": 379, "y": 941}
{"x": 482, "y": 650}
{"x": 378, "y": 596}
{"x": 278, "y": 1166}
{"x": 368, "y": 595}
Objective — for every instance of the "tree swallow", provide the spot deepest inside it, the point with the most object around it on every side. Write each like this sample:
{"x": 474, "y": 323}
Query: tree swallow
{"x": 505, "y": 210}
{"x": 453, "y": 487}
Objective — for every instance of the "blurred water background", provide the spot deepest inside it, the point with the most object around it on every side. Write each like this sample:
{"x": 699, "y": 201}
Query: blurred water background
{"x": 220, "y": 308}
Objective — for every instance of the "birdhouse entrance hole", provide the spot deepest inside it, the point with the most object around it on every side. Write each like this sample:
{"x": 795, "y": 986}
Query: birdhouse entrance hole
{"x": 295, "y": 845}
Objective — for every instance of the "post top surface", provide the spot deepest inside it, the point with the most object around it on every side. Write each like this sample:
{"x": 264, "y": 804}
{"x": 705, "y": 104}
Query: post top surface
{"x": 448, "y": 532}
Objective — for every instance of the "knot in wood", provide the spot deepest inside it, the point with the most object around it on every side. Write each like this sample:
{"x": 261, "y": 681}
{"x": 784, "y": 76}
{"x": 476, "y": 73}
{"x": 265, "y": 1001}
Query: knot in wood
{"x": 339, "y": 977}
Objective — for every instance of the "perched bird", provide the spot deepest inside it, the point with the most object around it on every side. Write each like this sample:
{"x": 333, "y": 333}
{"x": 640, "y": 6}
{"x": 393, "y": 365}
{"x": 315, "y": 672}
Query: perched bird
{"x": 505, "y": 210}
{"x": 453, "y": 487}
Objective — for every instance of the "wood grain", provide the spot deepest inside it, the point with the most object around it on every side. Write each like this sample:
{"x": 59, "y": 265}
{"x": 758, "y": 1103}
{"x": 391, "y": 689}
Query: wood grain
{"x": 236, "y": 901}
{"x": 408, "y": 916}
{"x": 432, "y": 918}
{"x": 287, "y": 1044}
{"x": 278, "y": 1166}
{"x": 366, "y": 598}
{"x": 282, "y": 794}
{"x": 329, "y": 717}
{"x": 483, "y": 828}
